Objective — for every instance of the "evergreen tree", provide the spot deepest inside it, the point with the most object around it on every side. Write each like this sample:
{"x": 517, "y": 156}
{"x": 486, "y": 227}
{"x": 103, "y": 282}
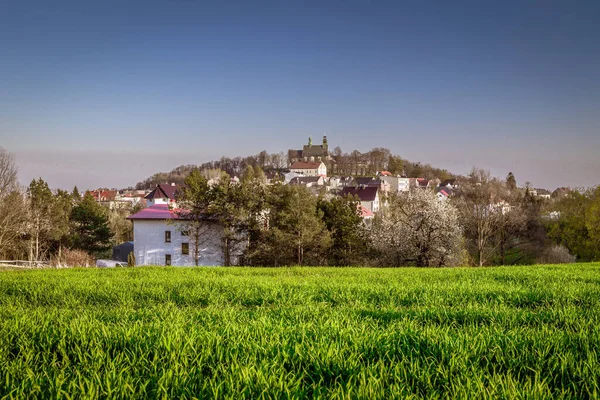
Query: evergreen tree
{"x": 76, "y": 195}
{"x": 342, "y": 218}
{"x": 511, "y": 182}
{"x": 295, "y": 233}
{"x": 91, "y": 232}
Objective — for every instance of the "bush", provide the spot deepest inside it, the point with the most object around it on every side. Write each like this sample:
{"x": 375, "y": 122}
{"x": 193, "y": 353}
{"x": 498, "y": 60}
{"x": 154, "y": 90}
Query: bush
{"x": 73, "y": 258}
{"x": 557, "y": 254}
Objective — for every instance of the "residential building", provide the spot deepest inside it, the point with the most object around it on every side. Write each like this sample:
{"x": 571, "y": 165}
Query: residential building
{"x": 367, "y": 195}
{"x": 311, "y": 168}
{"x": 162, "y": 194}
{"x": 159, "y": 238}
{"x": 308, "y": 181}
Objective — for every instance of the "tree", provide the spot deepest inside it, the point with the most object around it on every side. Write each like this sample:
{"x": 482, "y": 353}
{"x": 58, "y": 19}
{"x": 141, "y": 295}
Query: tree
{"x": 13, "y": 212}
{"x": 511, "y": 182}
{"x": 76, "y": 195}
{"x": 575, "y": 225}
{"x": 343, "y": 220}
{"x": 40, "y": 217}
{"x": 13, "y": 224}
{"x": 295, "y": 233}
{"x": 418, "y": 229}
{"x": 91, "y": 232}
{"x": 481, "y": 206}
{"x": 228, "y": 207}
{"x": 8, "y": 173}
{"x": 194, "y": 199}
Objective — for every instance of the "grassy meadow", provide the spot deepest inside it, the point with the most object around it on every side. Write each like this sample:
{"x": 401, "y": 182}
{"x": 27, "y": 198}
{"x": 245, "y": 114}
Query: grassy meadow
{"x": 505, "y": 332}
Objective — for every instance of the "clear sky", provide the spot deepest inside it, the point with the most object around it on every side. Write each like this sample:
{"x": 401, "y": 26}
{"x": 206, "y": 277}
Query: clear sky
{"x": 105, "y": 93}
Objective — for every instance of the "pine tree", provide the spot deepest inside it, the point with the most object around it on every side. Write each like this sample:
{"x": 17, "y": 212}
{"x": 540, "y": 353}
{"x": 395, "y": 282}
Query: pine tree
{"x": 91, "y": 232}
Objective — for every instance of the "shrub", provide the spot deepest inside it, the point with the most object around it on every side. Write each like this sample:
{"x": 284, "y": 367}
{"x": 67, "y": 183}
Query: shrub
{"x": 73, "y": 258}
{"x": 557, "y": 254}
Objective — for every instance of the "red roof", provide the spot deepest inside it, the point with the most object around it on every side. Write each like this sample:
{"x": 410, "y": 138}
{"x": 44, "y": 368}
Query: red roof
{"x": 364, "y": 211}
{"x": 305, "y": 165}
{"x": 103, "y": 195}
{"x": 385, "y": 173}
{"x": 157, "y": 211}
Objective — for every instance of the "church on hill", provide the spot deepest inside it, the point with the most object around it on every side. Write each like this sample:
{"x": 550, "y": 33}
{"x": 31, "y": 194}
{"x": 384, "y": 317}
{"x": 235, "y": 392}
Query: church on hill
{"x": 311, "y": 152}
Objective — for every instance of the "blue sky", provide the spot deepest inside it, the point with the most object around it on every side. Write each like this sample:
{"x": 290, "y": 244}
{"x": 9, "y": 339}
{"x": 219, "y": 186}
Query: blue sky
{"x": 105, "y": 93}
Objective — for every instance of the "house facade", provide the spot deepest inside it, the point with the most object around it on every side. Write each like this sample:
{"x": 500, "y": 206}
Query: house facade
{"x": 368, "y": 196}
{"x": 159, "y": 238}
{"x": 311, "y": 168}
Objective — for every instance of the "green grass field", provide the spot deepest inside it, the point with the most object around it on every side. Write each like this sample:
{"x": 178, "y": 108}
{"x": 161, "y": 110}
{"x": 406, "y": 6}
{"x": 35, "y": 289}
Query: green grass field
{"x": 508, "y": 332}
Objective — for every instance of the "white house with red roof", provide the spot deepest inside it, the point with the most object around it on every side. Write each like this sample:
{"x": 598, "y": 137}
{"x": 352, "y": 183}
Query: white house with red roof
{"x": 159, "y": 238}
{"x": 162, "y": 194}
{"x": 311, "y": 168}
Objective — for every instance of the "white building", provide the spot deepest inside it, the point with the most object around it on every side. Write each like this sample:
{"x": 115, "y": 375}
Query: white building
{"x": 368, "y": 196}
{"x": 162, "y": 194}
{"x": 314, "y": 168}
{"x": 159, "y": 238}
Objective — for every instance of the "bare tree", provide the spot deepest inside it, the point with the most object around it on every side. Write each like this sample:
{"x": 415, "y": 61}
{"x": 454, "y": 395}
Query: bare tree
{"x": 13, "y": 223}
{"x": 482, "y": 208}
{"x": 8, "y": 173}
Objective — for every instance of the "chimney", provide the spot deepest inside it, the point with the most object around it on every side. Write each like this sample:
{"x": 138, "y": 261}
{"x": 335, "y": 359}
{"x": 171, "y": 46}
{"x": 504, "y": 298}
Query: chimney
{"x": 172, "y": 183}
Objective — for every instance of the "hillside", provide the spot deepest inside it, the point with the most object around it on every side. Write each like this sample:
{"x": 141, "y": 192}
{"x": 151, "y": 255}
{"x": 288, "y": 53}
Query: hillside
{"x": 343, "y": 164}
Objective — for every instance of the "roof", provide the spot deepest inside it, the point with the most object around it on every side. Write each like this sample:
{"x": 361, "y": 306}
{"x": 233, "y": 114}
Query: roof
{"x": 103, "y": 194}
{"x": 306, "y": 165}
{"x": 303, "y": 180}
{"x": 365, "y": 212}
{"x": 367, "y": 182}
{"x": 315, "y": 150}
{"x": 448, "y": 182}
{"x": 157, "y": 211}
{"x": 385, "y": 173}
{"x": 445, "y": 190}
{"x": 368, "y": 193}
{"x": 162, "y": 191}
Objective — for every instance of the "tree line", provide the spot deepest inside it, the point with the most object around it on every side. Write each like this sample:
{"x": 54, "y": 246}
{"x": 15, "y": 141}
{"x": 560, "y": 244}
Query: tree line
{"x": 487, "y": 221}
{"x": 38, "y": 224}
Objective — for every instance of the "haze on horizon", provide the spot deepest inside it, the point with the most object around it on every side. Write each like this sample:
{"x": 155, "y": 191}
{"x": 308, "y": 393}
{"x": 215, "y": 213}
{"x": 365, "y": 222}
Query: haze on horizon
{"x": 107, "y": 93}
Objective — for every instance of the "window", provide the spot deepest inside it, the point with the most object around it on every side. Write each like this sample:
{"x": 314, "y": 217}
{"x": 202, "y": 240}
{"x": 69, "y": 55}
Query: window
{"x": 167, "y": 259}
{"x": 185, "y": 248}
{"x": 185, "y": 233}
{"x": 167, "y": 236}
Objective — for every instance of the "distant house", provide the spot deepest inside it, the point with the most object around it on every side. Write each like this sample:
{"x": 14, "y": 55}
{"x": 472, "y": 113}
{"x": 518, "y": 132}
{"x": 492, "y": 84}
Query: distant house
{"x": 162, "y": 194}
{"x": 443, "y": 194}
{"x": 311, "y": 168}
{"x": 368, "y": 196}
{"x": 449, "y": 183}
{"x": 308, "y": 181}
{"x": 394, "y": 183}
{"x": 103, "y": 195}
{"x": 365, "y": 213}
{"x": 159, "y": 238}
{"x": 543, "y": 193}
